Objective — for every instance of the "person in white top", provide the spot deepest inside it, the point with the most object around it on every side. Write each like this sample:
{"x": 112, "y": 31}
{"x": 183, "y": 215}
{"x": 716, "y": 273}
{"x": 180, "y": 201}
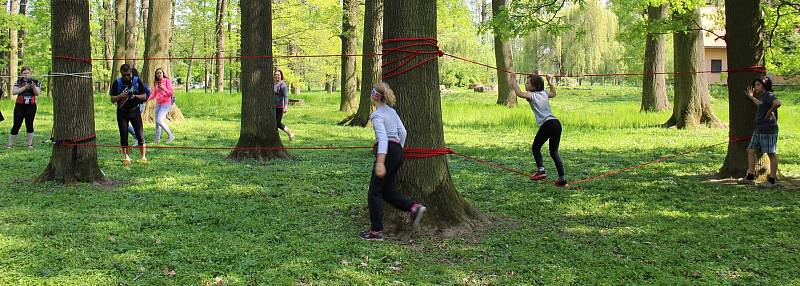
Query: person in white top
{"x": 549, "y": 126}
{"x": 390, "y": 135}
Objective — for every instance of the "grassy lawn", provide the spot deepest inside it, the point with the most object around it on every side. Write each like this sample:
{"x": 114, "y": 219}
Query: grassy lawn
{"x": 295, "y": 221}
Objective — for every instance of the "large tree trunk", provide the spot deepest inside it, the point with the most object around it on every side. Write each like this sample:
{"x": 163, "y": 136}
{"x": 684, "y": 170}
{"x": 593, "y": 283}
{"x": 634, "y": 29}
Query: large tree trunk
{"x": 349, "y": 46}
{"x": 130, "y": 32}
{"x": 654, "y": 87}
{"x": 171, "y": 34}
{"x": 370, "y": 65}
{"x": 120, "y": 37}
{"x": 107, "y": 36}
{"x": 692, "y": 101}
{"x": 13, "y": 56}
{"x": 259, "y": 125}
{"x": 502, "y": 55}
{"x": 157, "y": 46}
{"x": 745, "y": 38}
{"x": 73, "y": 103}
{"x": 418, "y": 103}
{"x": 145, "y": 13}
{"x": 220, "y": 33}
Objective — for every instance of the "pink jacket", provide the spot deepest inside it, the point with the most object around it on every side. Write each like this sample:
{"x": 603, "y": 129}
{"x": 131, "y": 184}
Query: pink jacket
{"x": 163, "y": 94}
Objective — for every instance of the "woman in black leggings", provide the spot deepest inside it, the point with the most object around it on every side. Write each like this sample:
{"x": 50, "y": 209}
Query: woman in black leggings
{"x": 549, "y": 126}
{"x": 26, "y": 89}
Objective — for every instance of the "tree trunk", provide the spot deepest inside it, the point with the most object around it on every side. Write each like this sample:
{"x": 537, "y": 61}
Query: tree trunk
{"x": 157, "y": 46}
{"x": 259, "y": 126}
{"x": 502, "y": 55}
{"x": 189, "y": 80}
{"x": 349, "y": 46}
{"x": 692, "y": 101}
{"x": 745, "y": 38}
{"x": 13, "y": 55}
{"x": 230, "y": 61}
{"x": 145, "y": 13}
{"x": 220, "y": 33}
{"x": 73, "y": 103}
{"x": 120, "y": 37}
{"x": 130, "y": 32}
{"x": 107, "y": 36}
{"x": 418, "y": 103}
{"x": 23, "y": 10}
{"x": 654, "y": 87}
{"x": 370, "y": 65}
{"x": 171, "y": 35}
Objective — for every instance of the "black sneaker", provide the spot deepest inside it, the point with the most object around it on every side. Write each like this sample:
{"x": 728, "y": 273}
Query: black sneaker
{"x": 418, "y": 214}
{"x": 371, "y": 235}
{"x": 539, "y": 175}
{"x": 561, "y": 183}
{"x": 749, "y": 179}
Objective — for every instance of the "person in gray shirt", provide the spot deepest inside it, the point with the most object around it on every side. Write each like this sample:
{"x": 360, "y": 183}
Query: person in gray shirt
{"x": 549, "y": 126}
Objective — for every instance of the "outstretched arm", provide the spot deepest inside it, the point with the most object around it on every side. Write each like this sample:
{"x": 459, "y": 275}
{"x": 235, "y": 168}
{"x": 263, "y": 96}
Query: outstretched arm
{"x": 517, "y": 90}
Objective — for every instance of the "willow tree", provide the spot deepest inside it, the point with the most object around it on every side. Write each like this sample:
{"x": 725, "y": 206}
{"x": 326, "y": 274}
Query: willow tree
{"x": 73, "y": 103}
{"x": 502, "y": 55}
{"x": 418, "y": 104}
{"x": 692, "y": 103}
{"x": 258, "y": 137}
{"x": 654, "y": 87}
{"x": 349, "y": 47}
{"x": 370, "y": 65}
{"x": 745, "y": 37}
{"x": 591, "y": 46}
{"x": 156, "y": 49}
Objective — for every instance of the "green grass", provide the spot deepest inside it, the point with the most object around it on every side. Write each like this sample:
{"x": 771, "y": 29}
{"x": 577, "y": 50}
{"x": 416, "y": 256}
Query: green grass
{"x": 292, "y": 222}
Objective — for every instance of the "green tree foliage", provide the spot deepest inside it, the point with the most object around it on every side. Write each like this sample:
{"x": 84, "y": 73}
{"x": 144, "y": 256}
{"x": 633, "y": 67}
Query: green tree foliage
{"x": 782, "y": 20}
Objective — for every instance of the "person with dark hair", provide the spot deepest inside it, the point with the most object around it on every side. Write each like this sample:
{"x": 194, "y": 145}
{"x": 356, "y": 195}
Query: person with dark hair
{"x": 26, "y": 89}
{"x": 390, "y": 135}
{"x": 132, "y": 131}
{"x": 164, "y": 96}
{"x": 549, "y": 126}
{"x": 281, "y": 90}
{"x": 765, "y": 136}
{"x": 128, "y": 92}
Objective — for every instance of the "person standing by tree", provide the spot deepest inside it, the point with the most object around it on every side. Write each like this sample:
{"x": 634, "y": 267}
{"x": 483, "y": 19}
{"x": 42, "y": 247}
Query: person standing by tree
{"x": 765, "y": 136}
{"x": 128, "y": 92}
{"x": 391, "y": 136}
{"x": 549, "y": 126}
{"x": 26, "y": 89}
{"x": 132, "y": 131}
{"x": 281, "y": 101}
{"x": 163, "y": 94}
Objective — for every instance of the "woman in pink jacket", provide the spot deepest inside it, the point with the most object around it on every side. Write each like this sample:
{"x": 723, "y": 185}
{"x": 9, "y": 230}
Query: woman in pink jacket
{"x": 162, "y": 93}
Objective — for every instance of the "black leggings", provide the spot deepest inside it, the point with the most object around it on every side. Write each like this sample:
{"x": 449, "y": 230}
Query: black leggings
{"x": 26, "y": 112}
{"x": 135, "y": 118}
{"x": 385, "y": 189}
{"x": 550, "y": 130}
{"x": 279, "y": 117}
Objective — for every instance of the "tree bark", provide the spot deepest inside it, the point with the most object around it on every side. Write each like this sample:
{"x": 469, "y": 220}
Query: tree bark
{"x": 157, "y": 45}
{"x": 23, "y": 10}
{"x": 654, "y": 87}
{"x": 502, "y": 55}
{"x": 692, "y": 102}
{"x": 745, "y": 38}
{"x": 13, "y": 53}
{"x": 349, "y": 99}
{"x": 418, "y": 104}
{"x": 107, "y": 36}
{"x": 145, "y": 13}
{"x": 370, "y": 65}
{"x": 259, "y": 125}
{"x": 189, "y": 80}
{"x": 120, "y": 38}
{"x": 220, "y": 53}
{"x": 73, "y": 103}
{"x": 130, "y": 33}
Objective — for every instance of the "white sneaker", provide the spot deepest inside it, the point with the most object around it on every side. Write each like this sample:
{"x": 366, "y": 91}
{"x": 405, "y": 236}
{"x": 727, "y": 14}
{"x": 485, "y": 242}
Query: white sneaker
{"x": 170, "y": 139}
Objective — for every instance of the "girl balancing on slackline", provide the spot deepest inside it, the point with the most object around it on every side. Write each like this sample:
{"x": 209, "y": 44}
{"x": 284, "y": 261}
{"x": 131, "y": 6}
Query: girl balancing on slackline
{"x": 390, "y": 135}
{"x": 549, "y": 126}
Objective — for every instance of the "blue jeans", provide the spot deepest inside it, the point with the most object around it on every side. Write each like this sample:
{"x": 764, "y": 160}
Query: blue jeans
{"x": 161, "y": 116}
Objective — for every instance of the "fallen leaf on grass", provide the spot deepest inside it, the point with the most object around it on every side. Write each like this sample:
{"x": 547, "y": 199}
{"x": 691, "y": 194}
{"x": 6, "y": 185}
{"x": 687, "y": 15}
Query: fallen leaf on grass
{"x": 111, "y": 238}
{"x": 168, "y": 271}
